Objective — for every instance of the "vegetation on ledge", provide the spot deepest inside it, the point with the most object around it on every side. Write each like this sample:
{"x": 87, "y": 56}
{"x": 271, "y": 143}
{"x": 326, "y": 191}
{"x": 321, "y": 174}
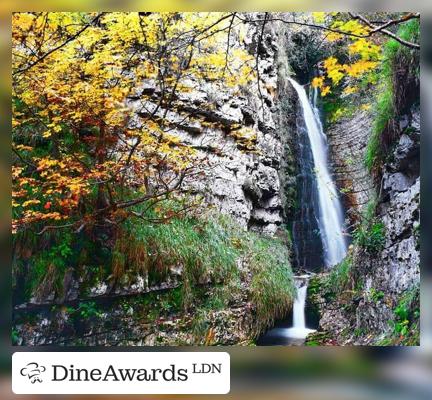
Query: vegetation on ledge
{"x": 394, "y": 94}
{"x": 132, "y": 132}
{"x": 211, "y": 263}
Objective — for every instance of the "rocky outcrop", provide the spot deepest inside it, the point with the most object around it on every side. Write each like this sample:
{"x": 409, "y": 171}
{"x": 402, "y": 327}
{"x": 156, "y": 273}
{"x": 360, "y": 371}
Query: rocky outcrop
{"x": 241, "y": 183}
{"x": 348, "y": 139}
{"x": 252, "y": 184}
{"x": 380, "y": 280}
{"x": 136, "y": 320}
{"x": 397, "y": 268}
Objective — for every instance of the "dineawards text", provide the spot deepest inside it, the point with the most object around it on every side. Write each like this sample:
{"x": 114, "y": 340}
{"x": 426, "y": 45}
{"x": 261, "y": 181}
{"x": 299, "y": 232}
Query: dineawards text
{"x": 112, "y": 374}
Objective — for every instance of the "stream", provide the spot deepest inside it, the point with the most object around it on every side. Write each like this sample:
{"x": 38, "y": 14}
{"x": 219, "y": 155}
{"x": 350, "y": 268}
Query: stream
{"x": 319, "y": 236}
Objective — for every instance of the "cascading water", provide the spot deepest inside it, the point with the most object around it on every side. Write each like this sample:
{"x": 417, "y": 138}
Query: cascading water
{"x": 291, "y": 332}
{"x": 330, "y": 213}
{"x": 308, "y": 247}
{"x": 299, "y": 330}
{"x": 318, "y": 231}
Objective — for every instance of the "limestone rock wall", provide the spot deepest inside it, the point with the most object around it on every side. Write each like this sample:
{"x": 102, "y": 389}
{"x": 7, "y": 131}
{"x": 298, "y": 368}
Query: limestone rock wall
{"x": 242, "y": 184}
{"x": 381, "y": 279}
{"x": 348, "y": 139}
{"x": 397, "y": 268}
{"x": 256, "y": 188}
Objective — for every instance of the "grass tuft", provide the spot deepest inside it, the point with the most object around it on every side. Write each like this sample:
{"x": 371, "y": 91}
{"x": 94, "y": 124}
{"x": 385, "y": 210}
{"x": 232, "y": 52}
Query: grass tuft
{"x": 370, "y": 232}
{"x": 209, "y": 249}
{"x": 272, "y": 287}
{"x": 392, "y": 95}
{"x": 340, "y": 276}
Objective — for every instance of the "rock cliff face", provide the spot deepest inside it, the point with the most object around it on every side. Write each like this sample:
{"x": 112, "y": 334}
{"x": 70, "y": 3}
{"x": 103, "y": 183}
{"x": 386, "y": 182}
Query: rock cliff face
{"x": 348, "y": 140}
{"x": 397, "y": 268}
{"x": 239, "y": 183}
{"x": 382, "y": 279}
{"x": 256, "y": 188}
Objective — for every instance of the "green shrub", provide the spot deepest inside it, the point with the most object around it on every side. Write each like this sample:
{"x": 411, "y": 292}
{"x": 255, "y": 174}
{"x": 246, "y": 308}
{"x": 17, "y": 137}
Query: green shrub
{"x": 88, "y": 310}
{"x": 14, "y": 337}
{"x": 358, "y": 332}
{"x": 370, "y": 233}
{"x": 406, "y": 311}
{"x": 48, "y": 267}
{"x": 376, "y": 295}
{"x": 405, "y": 325}
{"x": 371, "y": 237}
{"x": 384, "y": 112}
{"x": 387, "y": 101}
{"x": 340, "y": 276}
{"x": 272, "y": 287}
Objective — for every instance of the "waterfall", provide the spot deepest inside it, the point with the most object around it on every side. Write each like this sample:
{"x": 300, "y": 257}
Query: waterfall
{"x": 330, "y": 219}
{"x": 291, "y": 332}
{"x": 299, "y": 321}
{"x": 318, "y": 228}
{"x": 299, "y": 330}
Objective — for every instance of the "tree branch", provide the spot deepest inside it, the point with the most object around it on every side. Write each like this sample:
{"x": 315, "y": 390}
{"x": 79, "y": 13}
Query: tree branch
{"x": 73, "y": 37}
{"x": 386, "y": 32}
{"x": 375, "y": 29}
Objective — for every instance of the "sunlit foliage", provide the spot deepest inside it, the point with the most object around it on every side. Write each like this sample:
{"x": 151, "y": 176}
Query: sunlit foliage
{"x": 83, "y": 154}
{"x": 362, "y": 54}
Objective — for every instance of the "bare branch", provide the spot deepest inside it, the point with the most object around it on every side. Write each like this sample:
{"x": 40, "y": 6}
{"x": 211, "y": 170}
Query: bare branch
{"x": 375, "y": 29}
{"x": 70, "y": 39}
{"x": 381, "y": 29}
{"x": 391, "y": 22}
{"x": 228, "y": 43}
{"x": 52, "y": 227}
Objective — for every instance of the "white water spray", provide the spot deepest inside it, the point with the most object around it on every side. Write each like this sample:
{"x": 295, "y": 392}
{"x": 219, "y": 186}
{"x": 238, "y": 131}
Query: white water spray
{"x": 330, "y": 218}
{"x": 299, "y": 330}
{"x": 330, "y": 221}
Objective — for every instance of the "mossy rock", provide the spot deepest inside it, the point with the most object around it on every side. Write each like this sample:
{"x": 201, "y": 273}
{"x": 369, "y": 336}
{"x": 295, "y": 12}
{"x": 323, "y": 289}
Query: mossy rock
{"x": 318, "y": 338}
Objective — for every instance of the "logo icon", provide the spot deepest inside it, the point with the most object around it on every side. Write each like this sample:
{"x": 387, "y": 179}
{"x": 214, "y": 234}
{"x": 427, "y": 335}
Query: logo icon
{"x": 33, "y": 371}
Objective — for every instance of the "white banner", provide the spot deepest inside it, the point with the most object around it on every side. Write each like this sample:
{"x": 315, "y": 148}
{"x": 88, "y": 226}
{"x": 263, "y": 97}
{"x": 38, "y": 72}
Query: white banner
{"x": 120, "y": 373}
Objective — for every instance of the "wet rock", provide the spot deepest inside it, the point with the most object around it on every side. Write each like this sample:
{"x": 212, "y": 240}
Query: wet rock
{"x": 388, "y": 274}
{"x": 397, "y": 182}
{"x": 407, "y": 155}
{"x": 348, "y": 139}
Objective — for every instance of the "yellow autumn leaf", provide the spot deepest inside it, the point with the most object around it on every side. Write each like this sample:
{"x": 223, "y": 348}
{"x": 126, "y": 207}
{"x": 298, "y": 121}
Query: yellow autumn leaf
{"x": 325, "y": 90}
{"x": 30, "y": 203}
{"x": 23, "y": 147}
{"x": 334, "y": 36}
{"x": 360, "y": 67}
{"x": 350, "y": 90}
{"x": 319, "y": 17}
{"x": 318, "y": 82}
